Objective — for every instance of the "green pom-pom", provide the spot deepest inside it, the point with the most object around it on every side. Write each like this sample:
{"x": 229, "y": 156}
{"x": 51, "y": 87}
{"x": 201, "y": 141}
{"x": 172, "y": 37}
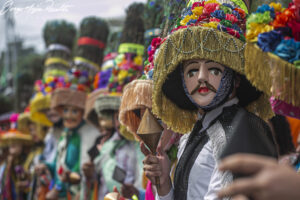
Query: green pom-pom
{"x": 226, "y": 23}
{"x": 172, "y": 153}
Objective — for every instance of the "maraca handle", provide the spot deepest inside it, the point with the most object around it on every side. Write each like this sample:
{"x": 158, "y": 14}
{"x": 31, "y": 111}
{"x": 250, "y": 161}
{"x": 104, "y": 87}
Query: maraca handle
{"x": 157, "y": 182}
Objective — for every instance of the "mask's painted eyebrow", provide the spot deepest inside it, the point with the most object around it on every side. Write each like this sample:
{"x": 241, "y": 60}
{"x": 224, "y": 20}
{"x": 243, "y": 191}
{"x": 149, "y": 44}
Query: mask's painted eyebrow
{"x": 208, "y": 61}
{"x": 185, "y": 64}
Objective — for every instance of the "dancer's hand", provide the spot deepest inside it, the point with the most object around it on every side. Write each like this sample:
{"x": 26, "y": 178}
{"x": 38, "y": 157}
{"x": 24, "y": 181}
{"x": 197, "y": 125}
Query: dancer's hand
{"x": 267, "y": 179}
{"x": 157, "y": 166}
{"x": 40, "y": 169}
{"x": 88, "y": 169}
{"x": 23, "y": 185}
{"x": 128, "y": 190}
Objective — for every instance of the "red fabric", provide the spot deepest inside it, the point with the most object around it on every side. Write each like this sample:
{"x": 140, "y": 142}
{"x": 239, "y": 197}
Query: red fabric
{"x": 91, "y": 41}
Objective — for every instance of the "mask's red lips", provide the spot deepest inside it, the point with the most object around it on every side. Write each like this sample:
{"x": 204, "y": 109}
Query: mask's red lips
{"x": 203, "y": 90}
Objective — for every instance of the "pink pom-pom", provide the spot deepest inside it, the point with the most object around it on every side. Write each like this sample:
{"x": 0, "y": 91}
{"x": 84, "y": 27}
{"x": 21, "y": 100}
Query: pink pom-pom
{"x": 14, "y": 117}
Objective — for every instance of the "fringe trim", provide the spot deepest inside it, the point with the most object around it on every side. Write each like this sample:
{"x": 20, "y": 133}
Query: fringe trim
{"x": 262, "y": 108}
{"x": 136, "y": 95}
{"x": 186, "y": 44}
{"x": 67, "y": 97}
{"x": 272, "y": 75}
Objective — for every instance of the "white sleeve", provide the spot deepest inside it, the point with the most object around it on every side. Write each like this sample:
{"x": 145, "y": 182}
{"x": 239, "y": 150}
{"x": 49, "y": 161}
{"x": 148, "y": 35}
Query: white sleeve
{"x": 169, "y": 196}
{"x": 215, "y": 184}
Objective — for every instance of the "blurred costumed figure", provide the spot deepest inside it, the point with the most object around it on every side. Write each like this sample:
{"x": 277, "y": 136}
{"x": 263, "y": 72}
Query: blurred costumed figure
{"x": 69, "y": 99}
{"x": 44, "y": 124}
{"x": 113, "y": 150}
{"x": 200, "y": 84}
{"x": 59, "y": 37}
{"x": 15, "y": 179}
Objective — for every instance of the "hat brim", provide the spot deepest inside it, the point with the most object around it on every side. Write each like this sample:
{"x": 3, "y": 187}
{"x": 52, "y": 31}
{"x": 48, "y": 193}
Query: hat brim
{"x": 195, "y": 43}
{"x": 13, "y": 137}
{"x": 90, "y": 114}
{"x": 67, "y": 97}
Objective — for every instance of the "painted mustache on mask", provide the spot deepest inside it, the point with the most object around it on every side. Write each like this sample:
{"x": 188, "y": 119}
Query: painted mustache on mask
{"x": 209, "y": 86}
{"x": 70, "y": 119}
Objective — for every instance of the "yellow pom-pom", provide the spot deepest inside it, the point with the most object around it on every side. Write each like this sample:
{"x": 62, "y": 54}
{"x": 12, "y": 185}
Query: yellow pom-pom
{"x": 138, "y": 60}
{"x": 277, "y": 7}
{"x": 211, "y": 1}
{"x": 211, "y": 25}
{"x": 122, "y": 75}
{"x": 49, "y": 79}
{"x": 48, "y": 89}
{"x": 256, "y": 29}
{"x": 185, "y": 20}
{"x": 198, "y": 10}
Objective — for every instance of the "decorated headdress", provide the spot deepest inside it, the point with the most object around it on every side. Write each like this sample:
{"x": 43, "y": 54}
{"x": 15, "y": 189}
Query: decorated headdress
{"x": 59, "y": 36}
{"x": 72, "y": 90}
{"x": 14, "y": 135}
{"x": 136, "y": 96}
{"x": 106, "y": 104}
{"x": 129, "y": 61}
{"x": 100, "y": 86}
{"x": 25, "y": 119}
{"x": 91, "y": 44}
{"x": 273, "y": 59}
{"x": 39, "y": 103}
{"x": 212, "y": 30}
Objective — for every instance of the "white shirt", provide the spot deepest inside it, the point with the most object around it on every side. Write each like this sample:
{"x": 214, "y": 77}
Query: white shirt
{"x": 205, "y": 179}
{"x": 126, "y": 159}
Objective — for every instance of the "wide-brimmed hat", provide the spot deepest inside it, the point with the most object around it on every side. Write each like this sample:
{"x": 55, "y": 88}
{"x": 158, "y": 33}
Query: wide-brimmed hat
{"x": 272, "y": 63}
{"x": 206, "y": 30}
{"x": 14, "y": 135}
{"x": 38, "y": 104}
{"x": 72, "y": 91}
{"x": 136, "y": 95}
{"x": 68, "y": 97}
{"x": 107, "y": 104}
{"x": 90, "y": 114}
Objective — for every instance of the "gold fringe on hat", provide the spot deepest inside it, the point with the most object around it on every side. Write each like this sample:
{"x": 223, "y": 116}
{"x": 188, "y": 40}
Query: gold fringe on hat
{"x": 23, "y": 122}
{"x": 194, "y": 43}
{"x": 136, "y": 95}
{"x": 90, "y": 114}
{"x": 25, "y": 119}
{"x": 67, "y": 97}
{"x": 273, "y": 75}
{"x": 39, "y": 104}
{"x": 14, "y": 136}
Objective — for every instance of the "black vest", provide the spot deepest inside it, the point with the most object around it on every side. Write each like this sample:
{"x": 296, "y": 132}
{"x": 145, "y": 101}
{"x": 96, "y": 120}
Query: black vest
{"x": 196, "y": 142}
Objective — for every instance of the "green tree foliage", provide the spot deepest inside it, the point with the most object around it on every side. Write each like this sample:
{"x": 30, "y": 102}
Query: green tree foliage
{"x": 30, "y": 69}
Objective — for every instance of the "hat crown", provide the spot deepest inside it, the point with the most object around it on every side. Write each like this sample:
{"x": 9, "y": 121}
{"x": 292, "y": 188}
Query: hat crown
{"x": 223, "y": 15}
